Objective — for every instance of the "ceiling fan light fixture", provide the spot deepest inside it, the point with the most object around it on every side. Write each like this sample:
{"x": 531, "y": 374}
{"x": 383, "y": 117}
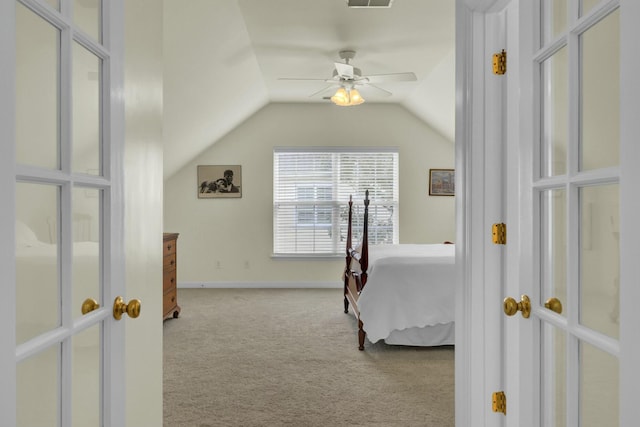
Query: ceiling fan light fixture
{"x": 347, "y": 97}
{"x": 356, "y": 98}
{"x": 341, "y": 97}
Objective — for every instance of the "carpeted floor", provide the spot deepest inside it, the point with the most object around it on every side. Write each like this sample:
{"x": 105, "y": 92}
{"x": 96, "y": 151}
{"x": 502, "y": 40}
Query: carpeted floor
{"x": 289, "y": 357}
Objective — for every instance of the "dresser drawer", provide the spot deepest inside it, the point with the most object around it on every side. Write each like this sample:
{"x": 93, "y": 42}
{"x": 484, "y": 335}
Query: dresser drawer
{"x": 169, "y": 247}
{"x": 168, "y": 281}
{"x": 169, "y": 262}
{"x": 169, "y": 301}
{"x": 170, "y": 307}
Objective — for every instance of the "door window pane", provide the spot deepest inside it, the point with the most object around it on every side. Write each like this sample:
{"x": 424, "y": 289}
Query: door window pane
{"x": 87, "y": 15}
{"x": 38, "y": 388}
{"x": 86, "y": 378}
{"x": 86, "y": 249}
{"x": 37, "y": 260}
{"x": 587, "y": 6}
{"x": 555, "y": 114}
{"x": 600, "y": 124}
{"x": 554, "y": 19}
{"x": 86, "y": 111}
{"x": 598, "y": 387}
{"x": 54, "y": 3}
{"x": 600, "y": 258}
{"x": 553, "y": 376}
{"x": 553, "y": 244}
{"x": 37, "y": 90}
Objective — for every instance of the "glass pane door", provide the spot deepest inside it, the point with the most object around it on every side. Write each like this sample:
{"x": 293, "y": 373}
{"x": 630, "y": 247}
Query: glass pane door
{"x": 576, "y": 199}
{"x": 61, "y": 212}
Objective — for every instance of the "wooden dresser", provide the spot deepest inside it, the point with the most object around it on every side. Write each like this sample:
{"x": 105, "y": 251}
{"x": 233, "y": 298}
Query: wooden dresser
{"x": 170, "y": 307}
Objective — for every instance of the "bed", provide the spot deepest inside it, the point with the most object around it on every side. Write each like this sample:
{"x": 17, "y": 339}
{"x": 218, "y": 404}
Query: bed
{"x": 402, "y": 294}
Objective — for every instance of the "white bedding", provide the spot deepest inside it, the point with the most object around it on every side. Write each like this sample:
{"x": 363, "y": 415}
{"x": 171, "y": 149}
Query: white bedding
{"x": 409, "y": 295}
{"x": 37, "y": 283}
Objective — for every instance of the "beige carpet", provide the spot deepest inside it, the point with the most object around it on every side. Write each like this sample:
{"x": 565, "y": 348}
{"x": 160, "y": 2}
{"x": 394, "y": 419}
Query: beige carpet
{"x": 289, "y": 357}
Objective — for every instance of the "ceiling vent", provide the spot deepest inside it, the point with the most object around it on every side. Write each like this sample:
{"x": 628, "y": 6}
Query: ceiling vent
{"x": 369, "y": 3}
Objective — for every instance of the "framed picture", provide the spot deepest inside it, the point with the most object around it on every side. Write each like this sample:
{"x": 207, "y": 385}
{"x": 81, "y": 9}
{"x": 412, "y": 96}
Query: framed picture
{"x": 219, "y": 181}
{"x": 442, "y": 182}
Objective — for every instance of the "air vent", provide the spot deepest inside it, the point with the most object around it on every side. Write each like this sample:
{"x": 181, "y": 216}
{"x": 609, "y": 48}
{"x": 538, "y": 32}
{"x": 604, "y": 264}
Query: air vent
{"x": 369, "y": 3}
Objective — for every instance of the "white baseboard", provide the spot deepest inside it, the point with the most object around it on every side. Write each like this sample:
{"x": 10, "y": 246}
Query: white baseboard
{"x": 259, "y": 285}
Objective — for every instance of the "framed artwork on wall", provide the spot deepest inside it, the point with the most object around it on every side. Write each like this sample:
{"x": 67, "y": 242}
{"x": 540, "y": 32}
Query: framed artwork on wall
{"x": 219, "y": 181}
{"x": 442, "y": 182}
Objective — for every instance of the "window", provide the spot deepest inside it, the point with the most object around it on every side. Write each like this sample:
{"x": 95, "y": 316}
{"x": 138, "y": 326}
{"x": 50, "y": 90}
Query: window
{"x": 314, "y": 215}
{"x": 311, "y": 194}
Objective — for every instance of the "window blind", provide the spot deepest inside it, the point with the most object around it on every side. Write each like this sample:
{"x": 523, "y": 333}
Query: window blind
{"x": 311, "y": 189}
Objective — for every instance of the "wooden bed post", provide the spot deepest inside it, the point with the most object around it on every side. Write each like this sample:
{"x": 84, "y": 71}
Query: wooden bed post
{"x": 354, "y": 281}
{"x": 364, "y": 254}
{"x": 361, "y": 279}
{"x": 347, "y": 268}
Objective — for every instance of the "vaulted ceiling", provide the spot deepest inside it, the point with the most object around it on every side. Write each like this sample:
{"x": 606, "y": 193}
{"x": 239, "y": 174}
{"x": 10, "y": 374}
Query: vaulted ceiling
{"x": 224, "y": 60}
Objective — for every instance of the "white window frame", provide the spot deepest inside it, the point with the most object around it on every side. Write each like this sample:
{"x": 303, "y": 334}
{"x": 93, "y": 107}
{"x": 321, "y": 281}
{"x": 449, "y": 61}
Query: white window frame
{"x": 285, "y": 195}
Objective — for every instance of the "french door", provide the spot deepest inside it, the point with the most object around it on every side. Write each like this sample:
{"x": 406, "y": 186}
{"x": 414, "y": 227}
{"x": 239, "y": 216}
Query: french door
{"x": 570, "y": 210}
{"x": 62, "y": 217}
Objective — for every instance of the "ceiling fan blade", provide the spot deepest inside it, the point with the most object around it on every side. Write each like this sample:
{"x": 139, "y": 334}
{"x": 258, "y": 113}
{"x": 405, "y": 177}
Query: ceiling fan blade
{"x": 384, "y": 92}
{"x": 301, "y": 79}
{"x": 393, "y": 77}
{"x": 325, "y": 89}
{"x": 344, "y": 70}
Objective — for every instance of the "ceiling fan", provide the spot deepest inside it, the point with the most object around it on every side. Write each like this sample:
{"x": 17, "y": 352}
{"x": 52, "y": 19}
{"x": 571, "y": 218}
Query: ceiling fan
{"x": 347, "y": 77}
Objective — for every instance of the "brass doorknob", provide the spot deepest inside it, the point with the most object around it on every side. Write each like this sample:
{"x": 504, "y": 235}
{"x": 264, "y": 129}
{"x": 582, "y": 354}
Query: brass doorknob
{"x": 89, "y": 305}
{"x": 554, "y": 304}
{"x": 511, "y": 306}
{"x": 120, "y": 307}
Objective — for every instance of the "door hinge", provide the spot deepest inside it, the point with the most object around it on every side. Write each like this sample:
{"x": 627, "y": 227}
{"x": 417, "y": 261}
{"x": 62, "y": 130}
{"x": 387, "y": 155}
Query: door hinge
{"x": 499, "y": 402}
{"x": 500, "y": 62}
{"x": 499, "y": 232}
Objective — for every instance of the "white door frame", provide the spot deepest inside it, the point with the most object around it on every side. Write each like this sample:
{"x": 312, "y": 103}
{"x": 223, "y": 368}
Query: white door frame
{"x": 519, "y": 216}
{"x": 479, "y": 203}
{"x": 7, "y": 214}
{"x": 114, "y": 356}
{"x": 629, "y": 211}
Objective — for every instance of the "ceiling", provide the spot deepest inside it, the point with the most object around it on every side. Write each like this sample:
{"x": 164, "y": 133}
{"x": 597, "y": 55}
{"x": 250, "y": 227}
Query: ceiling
{"x": 238, "y": 50}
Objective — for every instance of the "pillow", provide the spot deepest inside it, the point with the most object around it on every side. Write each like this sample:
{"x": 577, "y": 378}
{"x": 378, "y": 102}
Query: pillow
{"x": 24, "y": 235}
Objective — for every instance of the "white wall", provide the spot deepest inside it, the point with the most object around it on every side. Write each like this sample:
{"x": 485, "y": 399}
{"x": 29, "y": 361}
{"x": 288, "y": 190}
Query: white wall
{"x": 205, "y": 43}
{"x": 143, "y": 209}
{"x": 237, "y": 233}
{"x": 439, "y": 85}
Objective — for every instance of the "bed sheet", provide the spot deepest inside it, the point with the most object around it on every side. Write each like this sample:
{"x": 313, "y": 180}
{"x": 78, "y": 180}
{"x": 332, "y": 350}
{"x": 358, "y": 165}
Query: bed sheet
{"x": 408, "y": 286}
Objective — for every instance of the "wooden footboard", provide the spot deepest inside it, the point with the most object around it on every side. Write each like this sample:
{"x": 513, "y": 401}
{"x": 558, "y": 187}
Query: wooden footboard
{"x": 355, "y": 279}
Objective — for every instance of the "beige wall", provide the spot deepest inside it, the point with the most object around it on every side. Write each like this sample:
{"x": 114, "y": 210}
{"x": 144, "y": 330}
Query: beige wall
{"x": 143, "y": 209}
{"x": 220, "y": 238}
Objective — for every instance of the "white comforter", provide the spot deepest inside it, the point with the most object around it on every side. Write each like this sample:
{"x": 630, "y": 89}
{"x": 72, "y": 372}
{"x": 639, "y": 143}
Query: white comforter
{"x": 408, "y": 286}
